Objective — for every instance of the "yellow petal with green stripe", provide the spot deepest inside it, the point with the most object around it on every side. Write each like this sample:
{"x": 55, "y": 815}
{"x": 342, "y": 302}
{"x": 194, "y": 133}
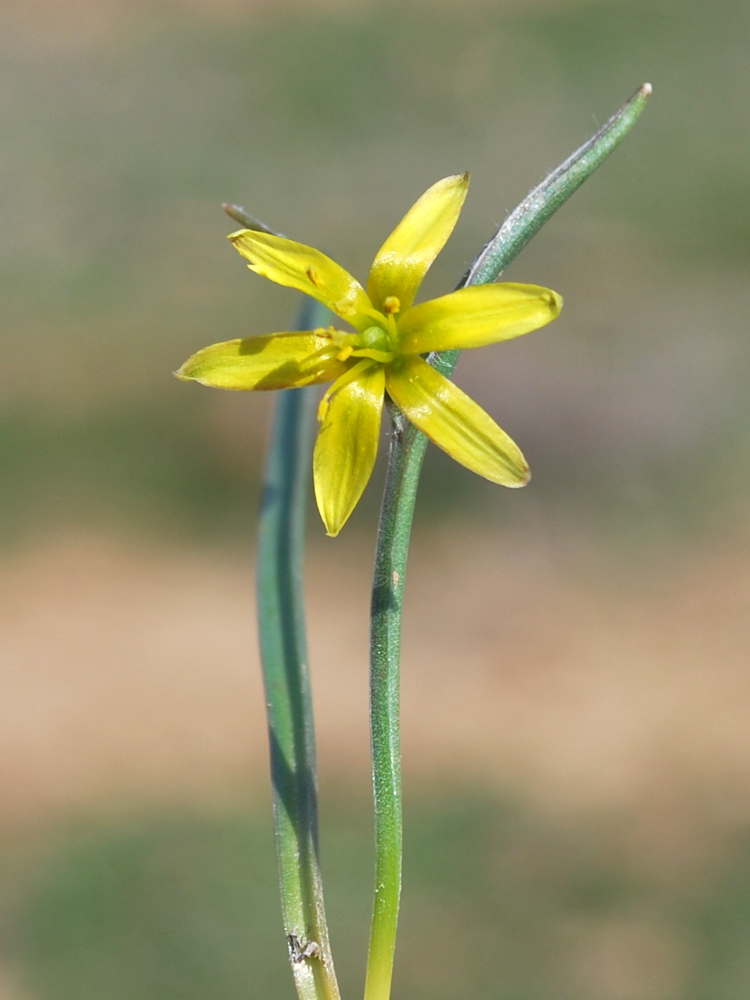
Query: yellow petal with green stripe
{"x": 306, "y": 269}
{"x": 455, "y": 422}
{"x": 405, "y": 257}
{"x": 280, "y": 361}
{"x": 347, "y": 446}
{"x": 476, "y": 316}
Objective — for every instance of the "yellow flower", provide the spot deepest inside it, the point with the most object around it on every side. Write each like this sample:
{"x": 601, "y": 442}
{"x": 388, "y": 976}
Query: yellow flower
{"x": 384, "y": 354}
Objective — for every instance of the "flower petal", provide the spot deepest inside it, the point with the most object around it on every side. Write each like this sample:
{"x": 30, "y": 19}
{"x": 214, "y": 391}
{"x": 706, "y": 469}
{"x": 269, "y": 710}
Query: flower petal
{"x": 405, "y": 257}
{"x": 304, "y": 268}
{"x": 475, "y": 316}
{"x": 279, "y": 361}
{"x": 455, "y": 422}
{"x": 347, "y": 446}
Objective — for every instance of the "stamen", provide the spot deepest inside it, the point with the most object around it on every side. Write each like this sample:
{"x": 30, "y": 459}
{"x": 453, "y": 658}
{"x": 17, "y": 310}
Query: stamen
{"x": 343, "y": 308}
{"x": 312, "y": 274}
{"x": 392, "y": 305}
{"x": 345, "y": 353}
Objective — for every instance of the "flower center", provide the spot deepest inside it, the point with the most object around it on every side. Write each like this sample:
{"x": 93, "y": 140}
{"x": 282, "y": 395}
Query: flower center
{"x": 374, "y": 338}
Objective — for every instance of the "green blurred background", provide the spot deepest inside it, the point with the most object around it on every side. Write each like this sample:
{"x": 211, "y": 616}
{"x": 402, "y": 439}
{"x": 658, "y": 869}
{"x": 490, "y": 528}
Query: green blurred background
{"x": 577, "y": 690}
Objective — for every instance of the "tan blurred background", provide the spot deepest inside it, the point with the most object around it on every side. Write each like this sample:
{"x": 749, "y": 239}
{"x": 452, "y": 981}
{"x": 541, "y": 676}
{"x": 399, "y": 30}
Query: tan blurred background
{"x": 576, "y": 677}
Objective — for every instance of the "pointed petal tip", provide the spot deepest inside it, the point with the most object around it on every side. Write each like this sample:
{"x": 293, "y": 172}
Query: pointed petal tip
{"x": 514, "y": 476}
{"x": 555, "y": 301}
{"x": 453, "y": 180}
{"x": 523, "y": 481}
{"x": 457, "y": 181}
{"x": 332, "y": 521}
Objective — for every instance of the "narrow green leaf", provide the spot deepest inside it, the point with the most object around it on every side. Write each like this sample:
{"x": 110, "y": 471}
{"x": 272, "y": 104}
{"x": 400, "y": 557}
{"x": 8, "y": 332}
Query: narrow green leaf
{"x": 283, "y": 644}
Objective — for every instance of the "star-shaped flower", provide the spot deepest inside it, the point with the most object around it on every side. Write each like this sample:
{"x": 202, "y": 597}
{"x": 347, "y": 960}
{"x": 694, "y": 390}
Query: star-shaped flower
{"x": 383, "y": 355}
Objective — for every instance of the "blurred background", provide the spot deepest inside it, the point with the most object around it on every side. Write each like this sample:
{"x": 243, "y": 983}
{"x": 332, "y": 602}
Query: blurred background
{"x": 576, "y": 682}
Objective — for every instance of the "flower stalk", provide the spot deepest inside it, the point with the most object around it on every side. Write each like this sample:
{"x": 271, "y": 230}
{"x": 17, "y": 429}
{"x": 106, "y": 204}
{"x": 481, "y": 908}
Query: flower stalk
{"x": 407, "y": 450}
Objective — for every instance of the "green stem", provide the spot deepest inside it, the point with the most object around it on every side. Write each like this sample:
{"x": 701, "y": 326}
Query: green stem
{"x": 385, "y": 641}
{"x": 407, "y": 452}
{"x": 287, "y": 684}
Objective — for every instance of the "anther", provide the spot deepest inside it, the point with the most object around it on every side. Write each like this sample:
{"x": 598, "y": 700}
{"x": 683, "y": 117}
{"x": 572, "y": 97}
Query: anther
{"x": 392, "y": 305}
{"x": 312, "y": 275}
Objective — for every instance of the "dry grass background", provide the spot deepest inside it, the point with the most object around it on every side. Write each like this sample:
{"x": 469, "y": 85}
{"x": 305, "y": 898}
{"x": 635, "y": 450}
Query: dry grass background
{"x": 131, "y": 674}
